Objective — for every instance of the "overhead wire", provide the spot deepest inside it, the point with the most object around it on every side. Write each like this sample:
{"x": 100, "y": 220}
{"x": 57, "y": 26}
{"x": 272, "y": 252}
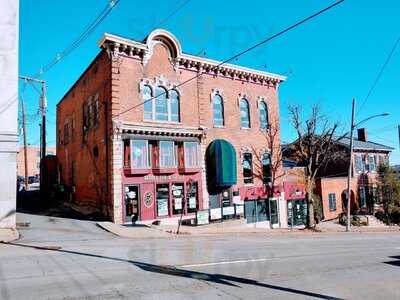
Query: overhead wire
{"x": 285, "y": 30}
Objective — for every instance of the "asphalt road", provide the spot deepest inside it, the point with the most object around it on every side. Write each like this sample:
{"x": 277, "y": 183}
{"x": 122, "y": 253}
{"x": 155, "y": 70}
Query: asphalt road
{"x": 69, "y": 259}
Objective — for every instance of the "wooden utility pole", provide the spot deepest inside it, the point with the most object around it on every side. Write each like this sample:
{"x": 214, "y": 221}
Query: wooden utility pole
{"x": 25, "y": 150}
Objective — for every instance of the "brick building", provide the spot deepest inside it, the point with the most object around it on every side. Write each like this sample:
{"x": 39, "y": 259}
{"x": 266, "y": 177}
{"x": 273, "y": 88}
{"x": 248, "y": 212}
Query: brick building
{"x": 33, "y": 158}
{"x": 331, "y": 184}
{"x": 139, "y": 132}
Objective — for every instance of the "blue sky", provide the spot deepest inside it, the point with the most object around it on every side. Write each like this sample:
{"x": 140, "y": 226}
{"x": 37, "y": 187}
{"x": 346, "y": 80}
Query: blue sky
{"x": 328, "y": 61}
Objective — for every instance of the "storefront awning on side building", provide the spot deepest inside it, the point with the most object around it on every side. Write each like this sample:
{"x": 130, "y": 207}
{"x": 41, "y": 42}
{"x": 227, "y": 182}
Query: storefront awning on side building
{"x": 221, "y": 164}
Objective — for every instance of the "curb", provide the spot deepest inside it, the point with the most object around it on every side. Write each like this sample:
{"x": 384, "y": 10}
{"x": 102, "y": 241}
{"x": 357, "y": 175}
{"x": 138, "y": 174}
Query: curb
{"x": 8, "y": 235}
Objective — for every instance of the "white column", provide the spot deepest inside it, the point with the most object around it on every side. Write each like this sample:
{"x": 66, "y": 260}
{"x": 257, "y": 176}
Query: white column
{"x": 116, "y": 178}
{"x": 282, "y": 211}
{"x": 203, "y": 148}
{"x": 9, "y": 22}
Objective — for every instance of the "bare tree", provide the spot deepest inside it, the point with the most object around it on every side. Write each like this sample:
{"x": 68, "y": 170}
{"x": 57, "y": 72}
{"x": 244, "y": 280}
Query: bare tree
{"x": 315, "y": 146}
{"x": 272, "y": 172}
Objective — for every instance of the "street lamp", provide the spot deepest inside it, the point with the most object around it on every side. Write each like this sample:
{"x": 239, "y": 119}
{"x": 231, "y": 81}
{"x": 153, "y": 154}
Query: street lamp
{"x": 352, "y": 127}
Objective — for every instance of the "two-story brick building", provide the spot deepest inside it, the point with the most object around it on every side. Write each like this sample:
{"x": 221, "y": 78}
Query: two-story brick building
{"x": 147, "y": 126}
{"x": 331, "y": 182}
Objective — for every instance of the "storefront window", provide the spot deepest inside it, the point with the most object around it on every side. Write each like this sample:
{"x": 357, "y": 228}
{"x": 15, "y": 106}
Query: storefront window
{"x": 162, "y": 194}
{"x": 139, "y": 154}
{"x": 192, "y": 198}
{"x": 167, "y": 154}
{"x": 247, "y": 168}
{"x": 177, "y": 198}
{"x": 191, "y": 154}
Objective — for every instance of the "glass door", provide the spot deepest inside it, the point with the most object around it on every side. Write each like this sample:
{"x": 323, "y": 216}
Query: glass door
{"x": 274, "y": 213}
{"x": 131, "y": 202}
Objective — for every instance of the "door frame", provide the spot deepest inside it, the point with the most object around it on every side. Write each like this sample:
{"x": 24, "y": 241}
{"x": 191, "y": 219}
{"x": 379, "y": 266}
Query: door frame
{"x": 138, "y": 201}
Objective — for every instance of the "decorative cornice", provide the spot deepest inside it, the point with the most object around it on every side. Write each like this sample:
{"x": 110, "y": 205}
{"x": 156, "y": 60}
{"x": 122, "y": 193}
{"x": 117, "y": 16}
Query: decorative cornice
{"x": 143, "y": 51}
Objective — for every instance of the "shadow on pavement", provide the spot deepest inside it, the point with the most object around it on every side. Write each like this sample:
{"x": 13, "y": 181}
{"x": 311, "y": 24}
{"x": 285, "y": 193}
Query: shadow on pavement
{"x": 30, "y": 202}
{"x": 395, "y": 262}
{"x": 228, "y": 280}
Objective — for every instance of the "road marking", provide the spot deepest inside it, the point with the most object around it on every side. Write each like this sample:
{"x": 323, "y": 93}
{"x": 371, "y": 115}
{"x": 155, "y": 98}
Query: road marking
{"x": 226, "y": 262}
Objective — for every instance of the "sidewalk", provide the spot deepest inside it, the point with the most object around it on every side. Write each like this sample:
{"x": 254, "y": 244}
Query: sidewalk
{"x": 8, "y": 235}
{"x": 168, "y": 231}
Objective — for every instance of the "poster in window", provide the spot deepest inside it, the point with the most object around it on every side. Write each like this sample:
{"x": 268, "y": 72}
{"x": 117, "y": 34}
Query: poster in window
{"x": 178, "y": 203}
{"x": 192, "y": 202}
{"x": 162, "y": 207}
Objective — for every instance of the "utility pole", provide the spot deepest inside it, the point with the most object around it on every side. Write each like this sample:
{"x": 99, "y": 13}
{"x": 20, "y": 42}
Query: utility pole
{"x": 25, "y": 151}
{"x": 349, "y": 175}
{"x": 42, "y": 109}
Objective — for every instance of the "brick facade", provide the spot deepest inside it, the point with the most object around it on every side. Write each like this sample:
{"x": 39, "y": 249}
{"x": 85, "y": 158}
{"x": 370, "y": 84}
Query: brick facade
{"x": 33, "y": 158}
{"x": 117, "y": 78}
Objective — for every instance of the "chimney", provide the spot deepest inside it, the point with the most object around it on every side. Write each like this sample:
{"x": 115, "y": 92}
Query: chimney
{"x": 362, "y": 134}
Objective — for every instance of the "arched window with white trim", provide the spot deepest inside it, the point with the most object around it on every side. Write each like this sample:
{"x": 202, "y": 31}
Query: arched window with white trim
{"x": 263, "y": 110}
{"x": 218, "y": 110}
{"x": 161, "y": 104}
{"x": 244, "y": 113}
{"x": 148, "y": 102}
{"x": 174, "y": 105}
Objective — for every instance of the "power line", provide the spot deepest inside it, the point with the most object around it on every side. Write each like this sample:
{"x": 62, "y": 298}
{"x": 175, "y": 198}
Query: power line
{"x": 83, "y": 36}
{"x": 380, "y": 73}
{"x": 298, "y": 23}
{"x": 174, "y": 12}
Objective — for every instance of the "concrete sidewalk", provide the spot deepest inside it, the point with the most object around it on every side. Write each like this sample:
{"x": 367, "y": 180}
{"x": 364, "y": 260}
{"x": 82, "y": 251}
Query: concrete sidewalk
{"x": 168, "y": 231}
{"x": 8, "y": 235}
{"x": 133, "y": 231}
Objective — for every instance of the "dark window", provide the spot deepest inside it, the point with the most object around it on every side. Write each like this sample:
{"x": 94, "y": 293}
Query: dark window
{"x": 263, "y": 115}
{"x": 332, "y": 202}
{"x": 218, "y": 110}
{"x": 247, "y": 168}
{"x": 162, "y": 196}
{"x": 244, "y": 114}
{"x": 266, "y": 168}
{"x": 362, "y": 196}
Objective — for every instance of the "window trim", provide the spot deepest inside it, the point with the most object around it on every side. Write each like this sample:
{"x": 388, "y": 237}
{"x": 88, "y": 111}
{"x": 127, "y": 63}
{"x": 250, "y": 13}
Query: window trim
{"x": 153, "y": 96}
{"x": 222, "y": 109}
{"x": 332, "y": 207}
{"x": 198, "y": 164}
{"x": 148, "y": 166}
{"x": 174, "y": 155}
{"x": 251, "y": 168}
{"x": 244, "y": 100}
{"x": 260, "y": 104}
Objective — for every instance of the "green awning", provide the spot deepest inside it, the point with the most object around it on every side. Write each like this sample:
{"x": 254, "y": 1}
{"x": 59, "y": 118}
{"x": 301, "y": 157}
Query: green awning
{"x": 221, "y": 164}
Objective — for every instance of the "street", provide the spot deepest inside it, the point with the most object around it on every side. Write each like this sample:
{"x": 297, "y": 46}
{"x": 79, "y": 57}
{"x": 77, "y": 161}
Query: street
{"x": 60, "y": 258}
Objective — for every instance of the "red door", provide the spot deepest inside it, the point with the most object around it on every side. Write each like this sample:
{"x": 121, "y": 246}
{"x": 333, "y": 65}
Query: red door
{"x": 148, "y": 202}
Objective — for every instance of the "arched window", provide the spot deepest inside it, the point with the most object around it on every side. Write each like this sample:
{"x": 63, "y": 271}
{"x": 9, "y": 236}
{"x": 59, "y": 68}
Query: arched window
{"x": 247, "y": 168}
{"x": 161, "y": 104}
{"x": 148, "y": 104}
{"x": 244, "y": 114}
{"x": 174, "y": 105}
{"x": 263, "y": 115}
{"x": 218, "y": 110}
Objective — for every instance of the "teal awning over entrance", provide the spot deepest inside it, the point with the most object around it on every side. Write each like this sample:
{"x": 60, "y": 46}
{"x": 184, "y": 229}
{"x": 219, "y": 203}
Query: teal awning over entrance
{"x": 221, "y": 164}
